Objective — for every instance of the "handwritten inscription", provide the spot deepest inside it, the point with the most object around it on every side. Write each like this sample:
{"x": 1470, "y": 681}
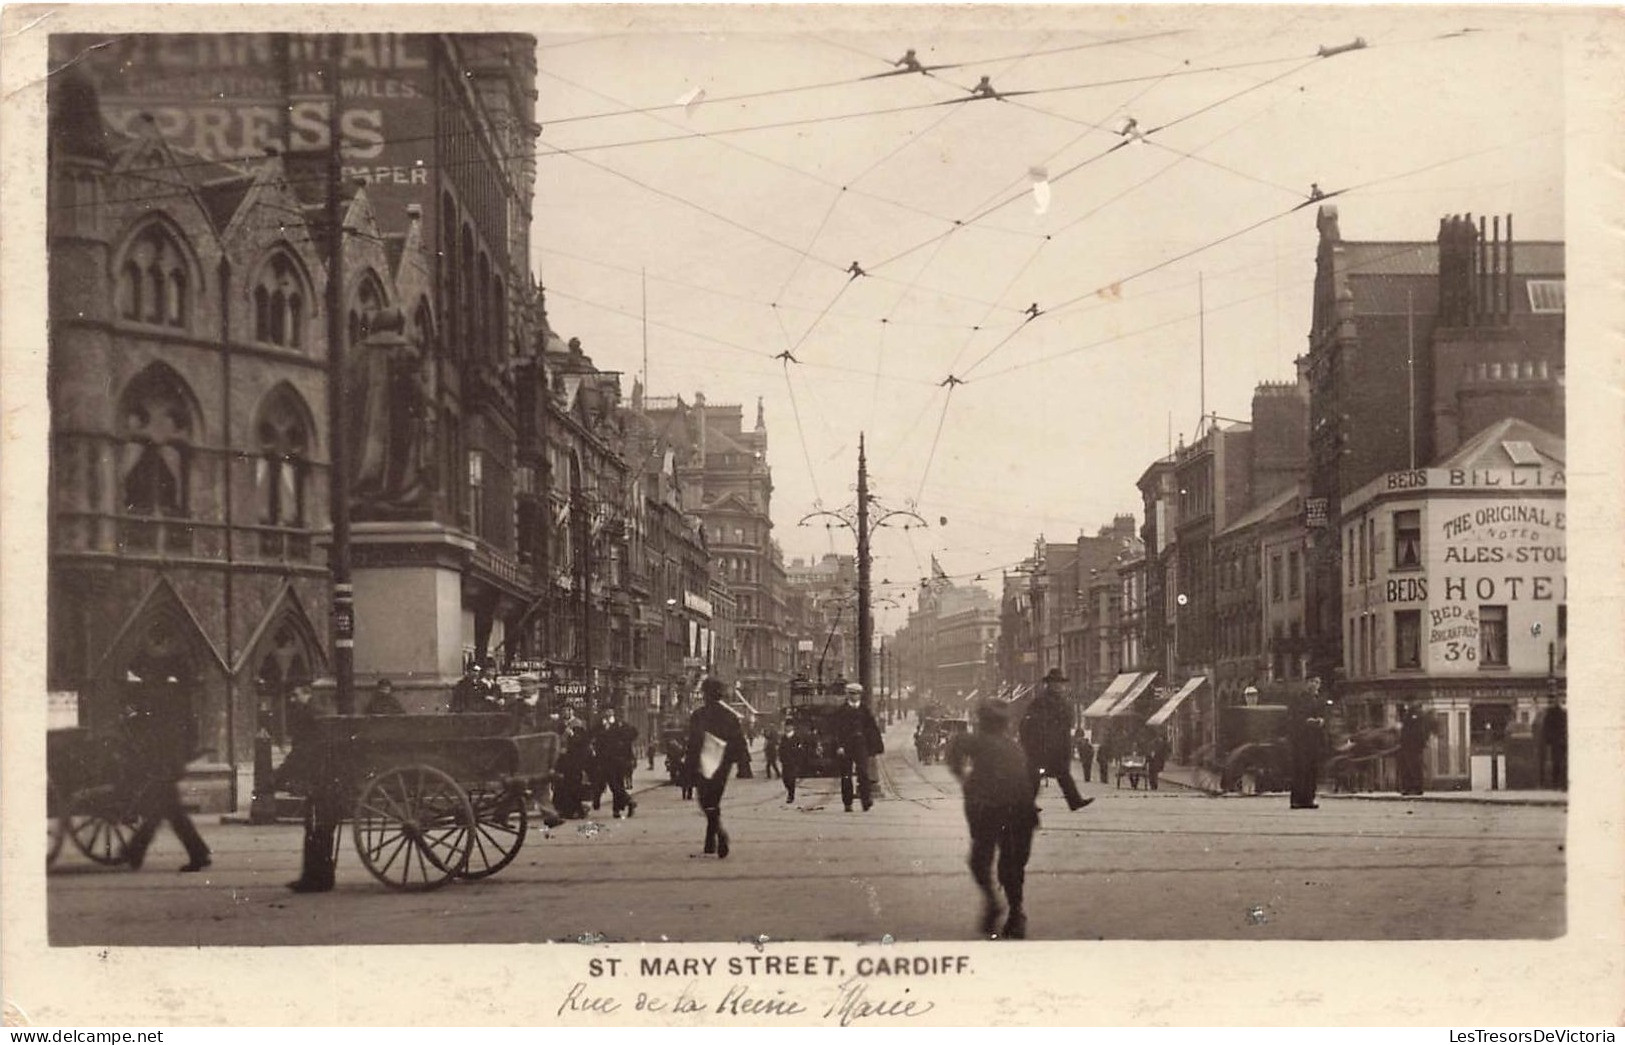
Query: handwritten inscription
{"x": 853, "y": 1001}
{"x": 815, "y": 987}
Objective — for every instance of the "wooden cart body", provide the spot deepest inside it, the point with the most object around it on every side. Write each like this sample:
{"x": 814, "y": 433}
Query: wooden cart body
{"x": 92, "y": 794}
{"x": 429, "y": 797}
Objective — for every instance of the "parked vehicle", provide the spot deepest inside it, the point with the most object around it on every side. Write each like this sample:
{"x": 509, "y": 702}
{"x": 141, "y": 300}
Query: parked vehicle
{"x": 932, "y": 737}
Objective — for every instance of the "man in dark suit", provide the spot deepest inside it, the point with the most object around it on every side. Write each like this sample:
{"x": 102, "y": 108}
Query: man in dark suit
{"x": 617, "y": 753}
{"x": 857, "y": 739}
{"x": 999, "y": 810}
{"x": 1413, "y": 739}
{"x": 163, "y": 739}
{"x": 1306, "y": 739}
{"x": 1046, "y": 730}
{"x": 305, "y": 772}
{"x": 792, "y": 756}
{"x": 1086, "y": 756}
{"x": 713, "y": 724}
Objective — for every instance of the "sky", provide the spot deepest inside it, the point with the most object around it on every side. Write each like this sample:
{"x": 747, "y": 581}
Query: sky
{"x": 1169, "y": 272}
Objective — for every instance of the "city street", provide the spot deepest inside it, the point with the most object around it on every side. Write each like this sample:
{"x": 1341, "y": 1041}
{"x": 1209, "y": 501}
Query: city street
{"x": 1172, "y": 864}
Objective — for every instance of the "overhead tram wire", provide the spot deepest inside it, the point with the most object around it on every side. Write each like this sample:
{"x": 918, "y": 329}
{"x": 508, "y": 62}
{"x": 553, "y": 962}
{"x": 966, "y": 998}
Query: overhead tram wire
{"x": 953, "y": 367}
{"x": 1240, "y": 232}
{"x": 1084, "y": 217}
{"x": 555, "y": 291}
{"x": 855, "y": 81}
{"x": 935, "y": 439}
{"x": 554, "y": 150}
{"x": 856, "y": 269}
{"x": 1145, "y": 136}
{"x": 806, "y": 454}
{"x": 1115, "y": 147}
{"x": 1183, "y": 318}
{"x": 741, "y": 299}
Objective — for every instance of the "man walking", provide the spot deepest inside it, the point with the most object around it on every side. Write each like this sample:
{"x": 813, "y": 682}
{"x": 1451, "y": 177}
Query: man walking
{"x": 163, "y": 738}
{"x": 1045, "y": 731}
{"x": 857, "y": 739}
{"x": 616, "y": 749}
{"x": 716, "y": 744}
{"x": 792, "y": 755}
{"x": 1086, "y": 756}
{"x": 1000, "y": 813}
{"x": 770, "y": 753}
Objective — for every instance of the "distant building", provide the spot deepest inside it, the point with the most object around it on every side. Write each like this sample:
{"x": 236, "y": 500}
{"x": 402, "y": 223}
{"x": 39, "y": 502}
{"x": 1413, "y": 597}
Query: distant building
{"x": 948, "y": 650}
{"x": 727, "y": 484}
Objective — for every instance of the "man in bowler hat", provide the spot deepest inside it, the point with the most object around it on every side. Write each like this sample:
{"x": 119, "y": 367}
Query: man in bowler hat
{"x": 1046, "y": 732}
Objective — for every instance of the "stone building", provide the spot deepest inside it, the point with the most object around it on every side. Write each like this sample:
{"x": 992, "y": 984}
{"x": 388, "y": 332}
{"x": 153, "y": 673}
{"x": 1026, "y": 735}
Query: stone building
{"x": 190, "y": 364}
{"x": 728, "y": 484}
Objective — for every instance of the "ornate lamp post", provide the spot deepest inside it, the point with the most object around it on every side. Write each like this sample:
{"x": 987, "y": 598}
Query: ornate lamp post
{"x": 863, "y": 526}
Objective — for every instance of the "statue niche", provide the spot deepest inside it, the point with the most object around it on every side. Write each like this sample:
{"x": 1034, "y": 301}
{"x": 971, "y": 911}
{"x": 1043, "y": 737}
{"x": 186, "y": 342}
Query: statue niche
{"x": 392, "y": 419}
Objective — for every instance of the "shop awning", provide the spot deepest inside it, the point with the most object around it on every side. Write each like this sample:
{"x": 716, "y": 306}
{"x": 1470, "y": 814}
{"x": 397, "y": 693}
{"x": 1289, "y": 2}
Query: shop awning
{"x": 1113, "y": 693}
{"x": 1135, "y": 692}
{"x": 1170, "y": 705}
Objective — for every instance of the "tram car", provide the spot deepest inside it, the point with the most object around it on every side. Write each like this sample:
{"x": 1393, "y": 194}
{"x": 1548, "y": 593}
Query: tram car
{"x": 812, "y": 711}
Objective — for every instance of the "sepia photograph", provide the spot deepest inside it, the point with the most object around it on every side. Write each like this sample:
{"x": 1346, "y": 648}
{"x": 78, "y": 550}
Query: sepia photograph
{"x": 827, "y": 497}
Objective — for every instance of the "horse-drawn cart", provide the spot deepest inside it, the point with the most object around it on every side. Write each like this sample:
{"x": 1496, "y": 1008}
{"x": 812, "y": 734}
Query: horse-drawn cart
{"x": 429, "y": 797}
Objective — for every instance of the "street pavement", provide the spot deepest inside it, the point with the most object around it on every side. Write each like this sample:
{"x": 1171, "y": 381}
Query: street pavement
{"x": 1135, "y": 865}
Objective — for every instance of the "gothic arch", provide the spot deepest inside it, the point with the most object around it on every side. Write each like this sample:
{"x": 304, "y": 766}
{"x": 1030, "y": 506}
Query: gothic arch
{"x": 156, "y": 276}
{"x": 158, "y": 425}
{"x": 281, "y": 298}
{"x": 284, "y": 436}
{"x": 284, "y": 653}
{"x": 160, "y": 653}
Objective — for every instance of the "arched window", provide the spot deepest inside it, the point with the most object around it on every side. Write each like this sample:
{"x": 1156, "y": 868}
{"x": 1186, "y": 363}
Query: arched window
{"x": 279, "y": 303}
{"x": 282, "y": 472}
{"x": 369, "y": 301}
{"x": 153, "y": 282}
{"x": 158, "y": 430}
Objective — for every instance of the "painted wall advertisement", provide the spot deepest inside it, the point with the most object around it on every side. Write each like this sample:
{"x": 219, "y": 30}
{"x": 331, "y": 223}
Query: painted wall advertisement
{"x": 1494, "y": 576}
{"x": 238, "y": 96}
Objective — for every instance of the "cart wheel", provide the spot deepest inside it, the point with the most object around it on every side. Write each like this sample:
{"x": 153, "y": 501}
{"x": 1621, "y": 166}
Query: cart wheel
{"x": 56, "y": 831}
{"x": 413, "y": 826}
{"x": 98, "y": 828}
{"x": 500, "y": 823}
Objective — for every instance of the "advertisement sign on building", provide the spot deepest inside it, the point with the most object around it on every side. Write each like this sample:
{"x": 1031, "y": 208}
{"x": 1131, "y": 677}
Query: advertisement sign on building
{"x": 240, "y": 96}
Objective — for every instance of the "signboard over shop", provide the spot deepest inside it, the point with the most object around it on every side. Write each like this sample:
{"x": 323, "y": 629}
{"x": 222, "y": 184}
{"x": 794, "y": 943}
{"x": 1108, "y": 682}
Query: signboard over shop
{"x": 240, "y": 96}
{"x": 1526, "y": 477}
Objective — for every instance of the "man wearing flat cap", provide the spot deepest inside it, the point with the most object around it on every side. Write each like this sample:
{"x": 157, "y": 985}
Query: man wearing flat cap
{"x": 1046, "y": 733}
{"x": 857, "y": 739}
